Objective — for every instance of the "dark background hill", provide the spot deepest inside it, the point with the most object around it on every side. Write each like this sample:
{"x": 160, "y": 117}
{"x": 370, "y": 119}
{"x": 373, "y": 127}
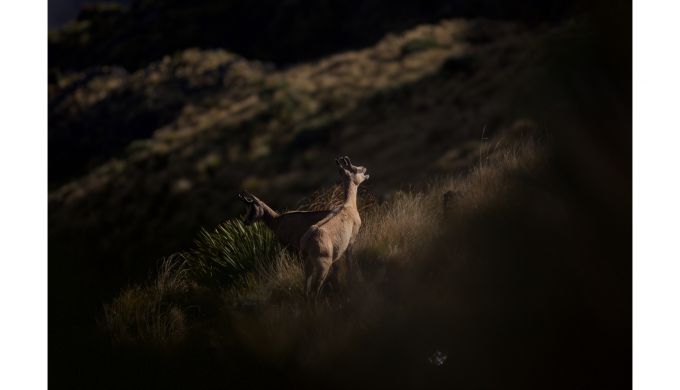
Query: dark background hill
{"x": 282, "y": 32}
{"x": 118, "y": 39}
{"x": 60, "y": 12}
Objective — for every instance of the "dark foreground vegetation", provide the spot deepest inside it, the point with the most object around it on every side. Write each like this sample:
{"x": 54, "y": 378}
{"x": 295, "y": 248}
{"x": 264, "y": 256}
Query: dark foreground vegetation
{"x": 495, "y": 250}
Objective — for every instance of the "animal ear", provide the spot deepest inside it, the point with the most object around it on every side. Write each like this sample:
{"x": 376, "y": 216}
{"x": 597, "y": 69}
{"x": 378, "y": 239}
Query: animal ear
{"x": 341, "y": 162}
{"x": 345, "y": 166}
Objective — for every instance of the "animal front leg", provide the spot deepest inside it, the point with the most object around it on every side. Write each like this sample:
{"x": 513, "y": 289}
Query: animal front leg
{"x": 334, "y": 276}
{"x": 342, "y": 269}
{"x": 349, "y": 262}
{"x": 348, "y": 257}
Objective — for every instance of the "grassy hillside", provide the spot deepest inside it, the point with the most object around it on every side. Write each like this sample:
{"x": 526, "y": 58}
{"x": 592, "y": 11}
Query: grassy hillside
{"x": 480, "y": 280}
{"x": 494, "y": 251}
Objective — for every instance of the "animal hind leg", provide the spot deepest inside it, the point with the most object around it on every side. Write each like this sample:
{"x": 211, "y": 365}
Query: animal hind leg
{"x": 315, "y": 277}
{"x": 319, "y": 274}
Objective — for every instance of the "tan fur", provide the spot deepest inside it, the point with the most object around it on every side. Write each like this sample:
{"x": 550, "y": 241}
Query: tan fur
{"x": 288, "y": 227}
{"x": 329, "y": 239}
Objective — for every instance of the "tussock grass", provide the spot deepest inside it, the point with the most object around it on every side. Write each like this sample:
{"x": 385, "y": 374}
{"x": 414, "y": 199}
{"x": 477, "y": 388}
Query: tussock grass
{"x": 276, "y": 281}
{"x": 502, "y": 165}
{"x": 230, "y": 251}
{"x": 153, "y": 314}
{"x": 398, "y": 229}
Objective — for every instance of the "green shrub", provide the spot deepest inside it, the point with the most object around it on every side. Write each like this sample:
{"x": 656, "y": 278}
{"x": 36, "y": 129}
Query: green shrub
{"x": 230, "y": 251}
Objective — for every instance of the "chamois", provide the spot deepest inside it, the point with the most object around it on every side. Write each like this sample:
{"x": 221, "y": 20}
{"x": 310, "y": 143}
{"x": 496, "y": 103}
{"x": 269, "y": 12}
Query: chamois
{"x": 329, "y": 239}
{"x": 288, "y": 227}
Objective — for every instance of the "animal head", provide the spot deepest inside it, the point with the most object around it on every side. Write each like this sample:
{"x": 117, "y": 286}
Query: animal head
{"x": 255, "y": 209}
{"x": 354, "y": 173}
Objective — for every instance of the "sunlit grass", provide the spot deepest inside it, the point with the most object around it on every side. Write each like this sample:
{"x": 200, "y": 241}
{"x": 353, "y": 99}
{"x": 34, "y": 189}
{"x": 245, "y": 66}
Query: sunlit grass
{"x": 230, "y": 251}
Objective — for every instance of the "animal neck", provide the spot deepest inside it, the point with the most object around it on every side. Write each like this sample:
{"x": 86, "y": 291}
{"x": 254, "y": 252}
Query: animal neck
{"x": 269, "y": 216}
{"x": 350, "y": 193}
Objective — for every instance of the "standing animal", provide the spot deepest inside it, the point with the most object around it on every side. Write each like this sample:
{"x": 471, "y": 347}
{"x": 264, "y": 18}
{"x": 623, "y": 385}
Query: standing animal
{"x": 332, "y": 237}
{"x": 287, "y": 227}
